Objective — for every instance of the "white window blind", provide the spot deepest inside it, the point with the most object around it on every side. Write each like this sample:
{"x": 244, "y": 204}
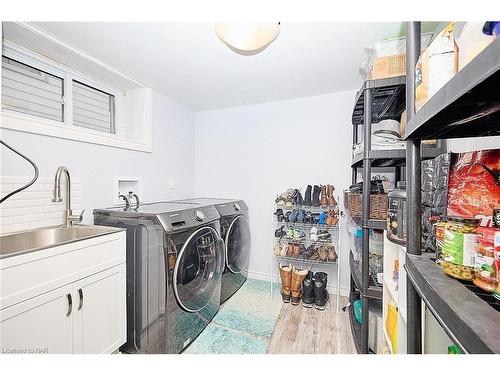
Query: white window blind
{"x": 93, "y": 109}
{"x": 29, "y": 90}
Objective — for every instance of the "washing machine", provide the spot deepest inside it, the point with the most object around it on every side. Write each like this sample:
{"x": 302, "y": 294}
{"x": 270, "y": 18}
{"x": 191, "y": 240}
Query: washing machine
{"x": 175, "y": 261}
{"x": 235, "y": 231}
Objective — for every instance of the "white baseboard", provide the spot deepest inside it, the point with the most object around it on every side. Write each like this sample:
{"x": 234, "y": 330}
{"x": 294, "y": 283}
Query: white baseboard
{"x": 274, "y": 278}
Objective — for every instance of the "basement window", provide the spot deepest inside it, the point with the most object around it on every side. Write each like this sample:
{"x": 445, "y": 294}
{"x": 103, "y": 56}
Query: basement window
{"x": 32, "y": 91}
{"x": 93, "y": 108}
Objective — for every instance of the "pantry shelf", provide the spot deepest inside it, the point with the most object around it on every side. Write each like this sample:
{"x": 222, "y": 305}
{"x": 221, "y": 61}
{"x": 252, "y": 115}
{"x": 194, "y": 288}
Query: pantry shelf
{"x": 466, "y": 106}
{"x": 388, "y": 99}
{"x": 468, "y": 320}
{"x": 372, "y": 223}
{"x": 394, "y": 158}
{"x": 374, "y": 291}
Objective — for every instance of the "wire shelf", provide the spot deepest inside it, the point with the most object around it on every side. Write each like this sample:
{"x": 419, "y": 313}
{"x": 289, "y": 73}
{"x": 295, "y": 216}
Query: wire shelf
{"x": 306, "y": 226}
{"x": 326, "y": 263}
{"x": 306, "y": 241}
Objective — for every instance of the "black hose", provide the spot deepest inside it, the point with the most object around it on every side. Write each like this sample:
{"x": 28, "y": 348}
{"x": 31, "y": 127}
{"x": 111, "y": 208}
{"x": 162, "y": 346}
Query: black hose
{"x": 29, "y": 183}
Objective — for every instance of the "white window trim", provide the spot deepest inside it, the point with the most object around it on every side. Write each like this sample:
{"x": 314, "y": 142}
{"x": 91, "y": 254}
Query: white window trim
{"x": 32, "y": 124}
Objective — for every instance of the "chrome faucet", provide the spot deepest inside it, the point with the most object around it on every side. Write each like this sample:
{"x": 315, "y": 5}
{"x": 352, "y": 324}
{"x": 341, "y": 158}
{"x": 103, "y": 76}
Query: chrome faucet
{"x": 126, "y": 199}
{"x": 69, "y": 218}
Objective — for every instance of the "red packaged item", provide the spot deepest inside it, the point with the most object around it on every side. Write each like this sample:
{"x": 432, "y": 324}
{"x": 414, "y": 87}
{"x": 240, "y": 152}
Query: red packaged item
{"x": 496, "y": 292}
{"x": 474, "y": 184}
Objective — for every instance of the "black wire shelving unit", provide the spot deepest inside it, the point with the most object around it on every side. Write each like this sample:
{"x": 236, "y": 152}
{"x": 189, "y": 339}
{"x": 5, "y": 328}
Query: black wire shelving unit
{"x": 467, "y": 106}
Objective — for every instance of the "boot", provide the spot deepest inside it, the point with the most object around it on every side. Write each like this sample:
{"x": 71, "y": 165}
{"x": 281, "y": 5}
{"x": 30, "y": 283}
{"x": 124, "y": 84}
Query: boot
{"x": 289, "y": 250}
{"x": 279, "y": 215}
{"x": 296, "y": 250}
{"x": 324, "y": 197}
{"x": 321, "y": 296}
{"x": 331, "y": 199}
{"x": 315, "y": 196}
{"x": 286, "y": 282}
{"x": 298, "y": 276}
{"x": 307, "y": 196}
{"x": 308, "y": 290}
{"x": 298, "y": 198}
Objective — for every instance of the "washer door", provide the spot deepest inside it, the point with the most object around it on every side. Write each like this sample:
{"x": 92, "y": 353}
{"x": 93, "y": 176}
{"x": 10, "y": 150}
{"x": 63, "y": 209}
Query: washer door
{"x": 198, "y": 270}
{"x": 237, "y": 245}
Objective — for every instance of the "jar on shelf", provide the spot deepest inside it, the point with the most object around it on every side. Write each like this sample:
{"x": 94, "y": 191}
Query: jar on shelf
{"x": 396, "y": 215}
{"x": 459, "y": 250}
{"x": 484, "y": 263}
{"x": 439, "y": 231}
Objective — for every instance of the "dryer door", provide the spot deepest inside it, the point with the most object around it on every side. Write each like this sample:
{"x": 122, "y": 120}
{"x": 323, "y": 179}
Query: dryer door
{"x": 198, "y": 270}
{"x": 237, "y": 245}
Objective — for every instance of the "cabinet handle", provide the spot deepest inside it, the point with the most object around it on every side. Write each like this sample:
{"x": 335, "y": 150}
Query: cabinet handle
{"x": 70, "y": 304}
{"x": 80, "y": 294}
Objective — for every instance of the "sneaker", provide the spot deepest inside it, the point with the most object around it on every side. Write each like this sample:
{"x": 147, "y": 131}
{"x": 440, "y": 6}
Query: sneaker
{"x": 323, "y": 253}
{"x": 324, "y": 236}
{"x": 279, "y": 215}
{"x": 279, "y": 232}
{"x": 321, "y": 296}
{"x": 332, "y": 254}
{"x": 322, "y": 218}
{"x": 298, "y": 234}
{"x": 289, "y": 232}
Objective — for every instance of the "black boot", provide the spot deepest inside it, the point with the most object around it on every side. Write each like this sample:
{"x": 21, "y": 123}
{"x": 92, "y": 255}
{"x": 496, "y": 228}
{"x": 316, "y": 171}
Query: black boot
{"x": 321, "y": 296}
{"x": 315, "y": 196}
{"x": 308, "y": 290}
{"x": 307, "y": 196}
{"x": 298, "y": 198}
{"x": 279, "y": 215}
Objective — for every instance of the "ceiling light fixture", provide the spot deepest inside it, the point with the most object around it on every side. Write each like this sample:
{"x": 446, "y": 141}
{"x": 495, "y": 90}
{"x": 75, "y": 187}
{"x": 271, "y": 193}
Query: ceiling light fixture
{"x": 247, "y": 38}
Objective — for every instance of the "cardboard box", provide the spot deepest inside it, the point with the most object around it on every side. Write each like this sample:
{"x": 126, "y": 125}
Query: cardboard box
{"x": 388, "y": 66}
{"x": 436, "y": 66}
{"x": 402, "y": 129}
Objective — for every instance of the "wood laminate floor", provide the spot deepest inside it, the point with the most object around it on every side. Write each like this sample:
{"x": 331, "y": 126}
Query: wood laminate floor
{"x": 309, "y": 331}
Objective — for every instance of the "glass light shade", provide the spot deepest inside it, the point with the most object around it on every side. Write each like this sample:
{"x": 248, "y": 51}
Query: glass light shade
{"x": 247, "y": 38}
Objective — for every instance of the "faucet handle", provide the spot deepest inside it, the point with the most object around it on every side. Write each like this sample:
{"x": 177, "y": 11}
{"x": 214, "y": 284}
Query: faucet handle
{"x": 76, "y": 218}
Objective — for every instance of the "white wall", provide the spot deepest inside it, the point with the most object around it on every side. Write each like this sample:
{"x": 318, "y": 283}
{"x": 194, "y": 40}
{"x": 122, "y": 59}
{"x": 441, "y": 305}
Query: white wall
{"x": 97, "y": 165}
{"x": 255, "y": 152}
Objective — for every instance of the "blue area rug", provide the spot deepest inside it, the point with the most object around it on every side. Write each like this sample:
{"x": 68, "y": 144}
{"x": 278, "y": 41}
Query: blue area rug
{"x": 244, "y": 324}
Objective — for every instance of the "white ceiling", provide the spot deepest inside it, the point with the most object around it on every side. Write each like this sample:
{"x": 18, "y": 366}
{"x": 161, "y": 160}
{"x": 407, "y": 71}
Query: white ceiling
{"x": 189, "y": 64}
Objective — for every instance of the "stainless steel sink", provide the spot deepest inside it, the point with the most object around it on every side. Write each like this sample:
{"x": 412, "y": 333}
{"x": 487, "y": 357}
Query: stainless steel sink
{"x": 43, "y": 238}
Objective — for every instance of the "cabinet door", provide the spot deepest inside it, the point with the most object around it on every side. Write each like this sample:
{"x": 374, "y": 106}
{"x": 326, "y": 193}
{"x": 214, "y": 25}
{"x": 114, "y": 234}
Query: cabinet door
{"x": 100, "y": 316}
{"x": 43, "y": 324}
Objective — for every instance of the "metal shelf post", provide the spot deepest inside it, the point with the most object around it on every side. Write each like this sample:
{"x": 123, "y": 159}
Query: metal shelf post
{"x": 365, "y": 272}
{"x": 413, "y": 192}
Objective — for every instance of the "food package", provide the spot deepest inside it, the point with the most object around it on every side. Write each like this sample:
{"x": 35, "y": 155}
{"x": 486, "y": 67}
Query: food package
{"x": 473, "y": 186}
{"x": 434, "y": 194}
{"x": 391, "y": 325}
{"x": 436, "y": 66}
{"x": 471, "y": 41}
{"x": 387, "y": 58}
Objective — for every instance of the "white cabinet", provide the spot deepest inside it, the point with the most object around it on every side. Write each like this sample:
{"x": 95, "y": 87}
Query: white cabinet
{"x": 79, "y": 307}
{"x": 38, "y": 325}
{"x": 100, "y": 323}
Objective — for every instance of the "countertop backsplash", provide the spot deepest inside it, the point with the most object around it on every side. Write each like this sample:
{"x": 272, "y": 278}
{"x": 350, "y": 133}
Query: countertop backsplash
{"x": 33, "y": 207}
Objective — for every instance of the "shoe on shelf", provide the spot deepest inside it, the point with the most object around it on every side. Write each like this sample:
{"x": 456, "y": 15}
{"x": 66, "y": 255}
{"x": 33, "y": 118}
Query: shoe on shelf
{"x": 277, "y": 249}
{"x": 322, "y": 218}
{"x": 289, "y": 232}
{"x": 314, "y": 254}
{"x": 331, "y": 199}
{"x": 300, "y": 216}
{"x": 284, "y": 248}
{"x": 298, "y": 275}
{"x": 308, "y": 290}
{"x": 307, "y": 196}
{"x": 303, "y": 253}
{"x": 279, "y": 215}
{"x": 307, "y": 217}
{"x": 299, "y": 201}
{"x": 284, "y": 197}
{"x": 315, "y": 196}
{"x": 298, "y": 234}
{"x": 314, "y": 234}
{"x": 296, "y": 250}
{"x": 289, "y": 250}
{"x": 315, "y": 218}
{"x": 324, "y": 197}
{"x": 332, "y": 254}
{"x": 321, "y": 296}
{"x": 323, "y": 253}
{"x": 324, "y": 235}
{"x": 292, "y": 216}
{"x": 286, "y": 282}
{"x": 279, "y": 232}
{"x": 290, "y": 199}
{"x": 332, "y": 219}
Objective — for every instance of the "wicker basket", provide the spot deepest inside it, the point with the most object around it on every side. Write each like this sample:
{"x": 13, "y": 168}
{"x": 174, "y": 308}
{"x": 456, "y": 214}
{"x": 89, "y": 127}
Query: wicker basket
{"x": 378, "y": 205}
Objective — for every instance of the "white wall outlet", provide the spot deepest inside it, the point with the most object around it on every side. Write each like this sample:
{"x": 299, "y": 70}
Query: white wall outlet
{"x": 171, "y": 182}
